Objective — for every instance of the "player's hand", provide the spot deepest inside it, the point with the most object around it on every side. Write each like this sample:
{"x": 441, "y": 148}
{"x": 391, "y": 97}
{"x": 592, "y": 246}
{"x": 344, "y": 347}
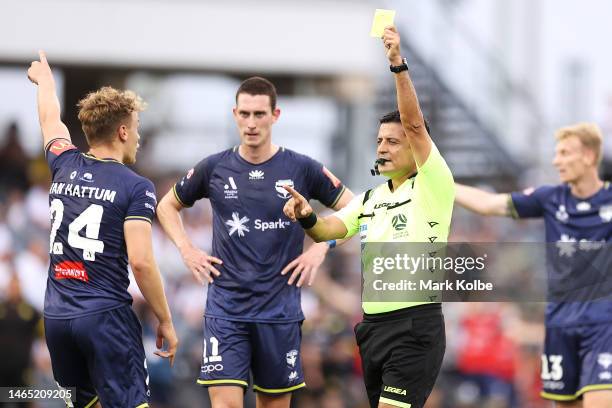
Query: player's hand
{"x": 297, "y": 206}
{"x": 307, "y": 264}
{"x": 200, "y": 264}
{"x": 391, "y": 40}
{"x": 165, "y": 331}
{"x": 40, "y": 71}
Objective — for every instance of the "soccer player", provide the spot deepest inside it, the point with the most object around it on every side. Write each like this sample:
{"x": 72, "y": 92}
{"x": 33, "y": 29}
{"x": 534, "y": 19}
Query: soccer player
{"x": 253, "y": 315}
{"x": 101, "y": 214}
{"x": 401, "y": 344}
{"x": 578, "y": 347}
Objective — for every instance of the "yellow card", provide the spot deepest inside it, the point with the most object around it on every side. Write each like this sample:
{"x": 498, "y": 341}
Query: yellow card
{"x": 382, "y": 19}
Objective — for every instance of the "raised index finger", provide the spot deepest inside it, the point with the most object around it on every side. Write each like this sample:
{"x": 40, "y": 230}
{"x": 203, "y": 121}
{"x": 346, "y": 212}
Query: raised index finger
{"x": 294, "y": 193}
{"x": 42, "y": 56}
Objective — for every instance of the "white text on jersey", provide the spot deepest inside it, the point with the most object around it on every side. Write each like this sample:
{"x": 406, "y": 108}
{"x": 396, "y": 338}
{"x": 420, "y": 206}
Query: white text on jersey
{"x": 76, "y": 190}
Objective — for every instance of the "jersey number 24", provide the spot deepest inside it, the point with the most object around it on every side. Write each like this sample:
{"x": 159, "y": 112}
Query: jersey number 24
{"x": 89, "y": 219}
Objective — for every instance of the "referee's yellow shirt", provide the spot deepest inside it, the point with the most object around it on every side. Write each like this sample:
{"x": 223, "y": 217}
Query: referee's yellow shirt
{"x": 420, "y": 210}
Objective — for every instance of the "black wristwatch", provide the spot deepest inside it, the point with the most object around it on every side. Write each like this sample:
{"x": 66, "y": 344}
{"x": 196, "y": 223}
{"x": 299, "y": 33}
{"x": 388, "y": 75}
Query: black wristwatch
{"x": 399, "y": 68}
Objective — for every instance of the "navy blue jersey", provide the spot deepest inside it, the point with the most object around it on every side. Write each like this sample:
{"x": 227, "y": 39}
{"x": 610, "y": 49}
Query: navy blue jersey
{"x": 251, "y": 235}
{"x": 90, "y": 199}
{"x": 574, "y": 224}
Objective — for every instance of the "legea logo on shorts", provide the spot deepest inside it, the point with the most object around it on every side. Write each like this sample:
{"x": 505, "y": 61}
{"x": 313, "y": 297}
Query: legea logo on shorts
{"x": 394, "y": 390}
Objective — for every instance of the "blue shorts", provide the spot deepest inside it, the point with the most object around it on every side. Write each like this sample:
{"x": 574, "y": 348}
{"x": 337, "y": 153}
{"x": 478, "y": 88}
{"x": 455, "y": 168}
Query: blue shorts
{"x": 576, "y": 360}
{"x": 102, "y": 356}
{"x": 271, "y": 351}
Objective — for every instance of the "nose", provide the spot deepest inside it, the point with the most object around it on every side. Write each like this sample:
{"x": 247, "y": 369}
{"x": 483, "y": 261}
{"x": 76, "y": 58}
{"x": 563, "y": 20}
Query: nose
{"x": 381, "y": 148}
{"x": 251, "y": 122}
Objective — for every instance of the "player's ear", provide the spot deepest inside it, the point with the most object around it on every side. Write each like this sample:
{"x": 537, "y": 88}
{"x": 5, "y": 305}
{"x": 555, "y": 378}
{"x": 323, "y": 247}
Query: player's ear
{"x": 122, "y": 131}
{"x": 276, "y": 113}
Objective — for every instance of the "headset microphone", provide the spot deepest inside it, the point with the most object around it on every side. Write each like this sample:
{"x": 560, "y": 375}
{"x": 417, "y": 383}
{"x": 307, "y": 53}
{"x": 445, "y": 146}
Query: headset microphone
{"x": 375, "y": 171}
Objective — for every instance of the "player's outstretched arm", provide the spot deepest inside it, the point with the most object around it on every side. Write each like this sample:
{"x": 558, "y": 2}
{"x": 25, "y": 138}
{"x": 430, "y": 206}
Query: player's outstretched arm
{"x": 482, "y": 202}
{"x": 319, "y": 229}
{"x": 199, "y": 262}
{"x": 48, "y": 105}
{"x": 139, "y": 243}
{"x": 407, "y": 101}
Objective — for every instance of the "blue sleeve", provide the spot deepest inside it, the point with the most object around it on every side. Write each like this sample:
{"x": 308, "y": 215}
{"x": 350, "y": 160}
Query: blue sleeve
{"x": 322, "y": 184}
{"x": 194, "y": 185}
{"x": 56, "y": 148}
{"x": 142, "y": 201}
{"x": 530, "y": 204}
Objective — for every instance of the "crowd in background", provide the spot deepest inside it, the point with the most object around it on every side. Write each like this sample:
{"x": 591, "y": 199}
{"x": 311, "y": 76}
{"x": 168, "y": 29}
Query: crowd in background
{"x": 493, "y": 349}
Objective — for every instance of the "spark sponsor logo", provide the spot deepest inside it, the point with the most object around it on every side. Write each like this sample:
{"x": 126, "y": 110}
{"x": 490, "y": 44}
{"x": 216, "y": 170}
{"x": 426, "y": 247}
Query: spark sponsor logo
{"x": 281, "y": 192}
{"x": 71, "y": 270}
{"x": 256, "y": 175}
{"x": 293, "y": 376}
{"x": 237, "y": 225}
{"x": 394, "y": 390}
{"x": 271, "y": 225}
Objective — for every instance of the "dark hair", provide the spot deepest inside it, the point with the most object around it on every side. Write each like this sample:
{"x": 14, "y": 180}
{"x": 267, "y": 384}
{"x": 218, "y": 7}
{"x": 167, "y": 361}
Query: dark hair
{"x": 394, "y": 117}
{"x": 258, "y": 86}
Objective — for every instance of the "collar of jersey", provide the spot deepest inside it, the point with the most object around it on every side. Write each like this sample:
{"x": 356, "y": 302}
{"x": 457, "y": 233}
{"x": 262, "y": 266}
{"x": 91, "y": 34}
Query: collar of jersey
{"x": 91, "y": 156}
{"x": 407, "y": 181}
{"x": 235, "y": 150}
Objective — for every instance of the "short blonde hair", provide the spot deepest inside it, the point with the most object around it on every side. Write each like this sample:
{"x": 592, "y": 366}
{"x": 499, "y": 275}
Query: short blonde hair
{"x": 589, "y": 135}
{"x": 100, "y": 112}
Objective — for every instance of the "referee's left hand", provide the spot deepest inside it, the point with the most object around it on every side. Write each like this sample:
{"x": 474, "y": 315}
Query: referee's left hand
{"x": 307, "y": 264}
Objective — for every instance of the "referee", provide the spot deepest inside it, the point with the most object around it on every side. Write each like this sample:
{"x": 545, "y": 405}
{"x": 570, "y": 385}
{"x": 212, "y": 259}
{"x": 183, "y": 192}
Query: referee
{"x": 401, "y": 344}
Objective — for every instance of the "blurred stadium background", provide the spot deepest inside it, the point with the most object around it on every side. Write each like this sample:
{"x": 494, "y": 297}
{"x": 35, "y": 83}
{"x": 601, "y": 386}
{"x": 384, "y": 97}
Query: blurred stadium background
{"x": 495, "y": 78}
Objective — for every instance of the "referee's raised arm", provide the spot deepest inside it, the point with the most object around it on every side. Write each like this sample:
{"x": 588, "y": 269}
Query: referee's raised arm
{"x": 407, "y": 101}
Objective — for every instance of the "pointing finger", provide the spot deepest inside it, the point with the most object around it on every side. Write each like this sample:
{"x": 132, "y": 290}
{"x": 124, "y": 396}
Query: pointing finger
{"x": 294, "y": 193}
{"x": 42, "y": 56}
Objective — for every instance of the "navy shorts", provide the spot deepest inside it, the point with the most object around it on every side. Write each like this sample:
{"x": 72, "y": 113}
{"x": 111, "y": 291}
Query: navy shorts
{"x": 102, "y": 356}
{"x": 271, "y": 351}
{"x": 576, "y": 360}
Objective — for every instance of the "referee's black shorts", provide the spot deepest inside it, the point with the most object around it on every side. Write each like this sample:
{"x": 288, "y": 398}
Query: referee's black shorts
{"x": 401, "y": 353}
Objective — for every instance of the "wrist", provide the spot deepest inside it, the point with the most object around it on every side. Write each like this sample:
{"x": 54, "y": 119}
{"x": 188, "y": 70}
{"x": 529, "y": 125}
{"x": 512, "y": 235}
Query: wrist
{"x": 397, "y": 60}
{"x": 308, "y": 221}
{"x": 399, "y": 67}
{"x": 182, "y": 247}
{"x": 331, "y": 243}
